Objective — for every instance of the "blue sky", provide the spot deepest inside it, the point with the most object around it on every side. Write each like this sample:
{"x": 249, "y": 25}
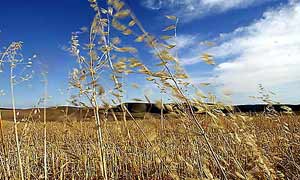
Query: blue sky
{"x": 255, "y": 42}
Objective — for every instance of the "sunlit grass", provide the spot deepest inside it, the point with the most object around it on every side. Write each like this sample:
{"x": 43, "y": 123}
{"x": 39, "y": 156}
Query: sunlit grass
{"x": 252, "y": 147}
{"x": 195, "y": 140}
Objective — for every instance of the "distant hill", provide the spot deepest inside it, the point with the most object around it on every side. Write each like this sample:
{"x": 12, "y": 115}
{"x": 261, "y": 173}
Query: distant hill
{"x": 63, "y": 113}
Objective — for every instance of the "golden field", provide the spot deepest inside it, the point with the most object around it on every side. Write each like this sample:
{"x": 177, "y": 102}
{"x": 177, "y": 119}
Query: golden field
{"x": 248, "y": 147}
{"x": 198, "y": 138}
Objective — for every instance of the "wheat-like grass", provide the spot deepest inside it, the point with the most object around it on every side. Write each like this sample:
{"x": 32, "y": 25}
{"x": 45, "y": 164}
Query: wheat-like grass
{"x": 248, "y": 148}
{"x": 194, "y": 140}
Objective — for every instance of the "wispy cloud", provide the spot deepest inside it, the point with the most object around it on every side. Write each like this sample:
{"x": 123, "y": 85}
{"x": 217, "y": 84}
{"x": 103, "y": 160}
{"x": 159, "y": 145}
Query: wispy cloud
{"x": 264, "y": 52}
{"x": 191, "y": 9}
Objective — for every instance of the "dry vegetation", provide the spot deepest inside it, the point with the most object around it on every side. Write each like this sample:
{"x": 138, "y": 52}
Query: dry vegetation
{"x": 181, "y": 145}
{"x": 248, "y": 148}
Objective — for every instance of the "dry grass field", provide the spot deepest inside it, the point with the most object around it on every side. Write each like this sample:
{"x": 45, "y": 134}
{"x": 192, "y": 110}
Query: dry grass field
{"x": 198, "y": 138}
{"x": 247, "y": 147}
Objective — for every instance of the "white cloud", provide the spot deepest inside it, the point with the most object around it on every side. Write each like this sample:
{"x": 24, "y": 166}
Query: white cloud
{"x": 266, "y": 52}
{"x": 190, "y": 9}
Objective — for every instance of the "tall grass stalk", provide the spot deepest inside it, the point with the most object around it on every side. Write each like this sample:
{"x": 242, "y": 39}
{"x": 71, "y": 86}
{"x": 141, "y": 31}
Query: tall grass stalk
{"x": 12, "y": 66}
{"x": 96, "y": 108}
{"x": 187, "y": 101}
{"x": 45, "y": 126}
